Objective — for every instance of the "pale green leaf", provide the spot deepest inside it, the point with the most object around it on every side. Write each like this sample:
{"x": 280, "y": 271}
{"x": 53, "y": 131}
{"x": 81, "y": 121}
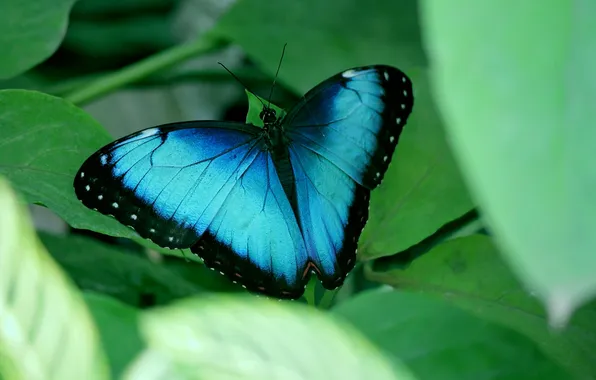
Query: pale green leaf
{"x": 250, "y": 338}
{"x": 46, "y": 331}
{"x": 518, "y": 98}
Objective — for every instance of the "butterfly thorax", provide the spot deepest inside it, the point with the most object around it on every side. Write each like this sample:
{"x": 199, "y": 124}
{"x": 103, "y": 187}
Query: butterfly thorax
{"x": 277, "y": 143}
{"x": 275, "y": 138}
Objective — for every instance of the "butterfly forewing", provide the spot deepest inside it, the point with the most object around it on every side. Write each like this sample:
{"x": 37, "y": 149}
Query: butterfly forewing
{"x": 354, "y": 119}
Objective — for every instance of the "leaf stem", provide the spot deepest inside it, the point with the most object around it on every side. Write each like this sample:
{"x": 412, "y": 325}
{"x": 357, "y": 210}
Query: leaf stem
{"x": 467, "y": 224}
{"x": 309, "y": 292}
{"x": 139, "y": 70}
{"x": 327, "y": 299}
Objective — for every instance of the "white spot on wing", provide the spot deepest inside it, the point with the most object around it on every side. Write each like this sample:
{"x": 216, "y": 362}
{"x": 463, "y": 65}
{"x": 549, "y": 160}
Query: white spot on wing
{"x": 82, "y": 174}
{"x": 385, "y": 159}
{"x": 391, "y": 139}
{"x": 115, "y": 205}
{"x": 349, "y": 73}
{"x": 148, "y": 132}
{"x": 398, "y": 120}
{"x": 403, "y": 79}
{"x": 152, "y": 230}
{"x": 386, "y": 75}
{"x": 378, "y": 174}
{"x": 100, "y": 197}
{"x": 103, "y": 159}
{"x": 403, "y": 106}
{"x": 405, "y": 93}
{"x": 87, "y": 187}
{"x": 171, "y": 238}
{"x": 133, "y": 217}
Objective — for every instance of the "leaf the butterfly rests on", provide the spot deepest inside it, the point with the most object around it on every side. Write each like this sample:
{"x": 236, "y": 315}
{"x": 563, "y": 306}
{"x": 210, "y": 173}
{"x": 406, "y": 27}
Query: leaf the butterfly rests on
{"x": 265, "y": 206}
{"x": 255, "y": 107}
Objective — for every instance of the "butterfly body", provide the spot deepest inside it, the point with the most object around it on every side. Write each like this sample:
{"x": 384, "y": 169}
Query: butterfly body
{"x": 265, "y": 206}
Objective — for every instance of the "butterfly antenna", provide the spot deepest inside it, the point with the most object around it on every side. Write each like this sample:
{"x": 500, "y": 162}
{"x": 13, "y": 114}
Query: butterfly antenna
{"x": 242, "y": 83}
{"x": 276, "y": 73}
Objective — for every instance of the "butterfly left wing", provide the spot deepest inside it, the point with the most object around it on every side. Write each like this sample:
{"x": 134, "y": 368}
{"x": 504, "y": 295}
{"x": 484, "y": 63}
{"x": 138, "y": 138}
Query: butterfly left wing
{"x": 343, "y": 134}
{"x": 209, "y": 186}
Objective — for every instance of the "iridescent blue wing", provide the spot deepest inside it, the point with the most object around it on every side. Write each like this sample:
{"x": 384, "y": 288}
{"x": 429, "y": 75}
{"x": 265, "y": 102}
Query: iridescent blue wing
{"x": 210, "y": 186}
{"x": 343, "y": 135}
{"x": 354, "y": 119}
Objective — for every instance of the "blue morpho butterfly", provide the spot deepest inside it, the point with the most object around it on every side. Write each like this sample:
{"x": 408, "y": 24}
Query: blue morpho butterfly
{"x": 264, "y": 206}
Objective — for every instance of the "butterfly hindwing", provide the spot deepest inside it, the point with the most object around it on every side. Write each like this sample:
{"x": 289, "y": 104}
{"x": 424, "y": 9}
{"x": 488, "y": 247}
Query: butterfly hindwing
{"x": 265, "y": 250}
{"x": 332, "y": 211}
{"x": 354, "y": 119}
{"x": 204, "y": 185}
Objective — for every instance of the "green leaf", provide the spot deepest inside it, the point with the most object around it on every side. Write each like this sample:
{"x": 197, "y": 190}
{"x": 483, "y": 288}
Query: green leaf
{"x": 469, "y": 273}
{"x": 43, "y": 141}
{"x": 251, "y": 338}
{"x": 255, "y": 106}
{"x": 324, "y": 37}
{"x": 422, "y": 189}
{"x": 45, "y": 329}
{"x": 115, "y": 271}
{"x": 30, "y": 31}
{"x": 118, "y": 328}
{"x": 439, "y": 341}
{"x": 519, "y": 104}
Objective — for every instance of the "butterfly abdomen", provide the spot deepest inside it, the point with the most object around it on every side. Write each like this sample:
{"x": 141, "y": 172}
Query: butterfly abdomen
{"x": 283, "y": 166}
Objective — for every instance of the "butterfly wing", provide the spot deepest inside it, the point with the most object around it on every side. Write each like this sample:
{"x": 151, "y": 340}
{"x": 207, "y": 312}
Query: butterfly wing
{"x": 209, "y": 186}
{"x": 354, "y": 119}
{"x": 343, "y": 135}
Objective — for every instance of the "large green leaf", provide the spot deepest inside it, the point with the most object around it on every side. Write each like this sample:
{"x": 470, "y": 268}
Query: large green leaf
{"x": 30, "y": 31}
{"x": 43, "y": 141}
{"x": 45, "y": 330}
{"x": 469, "y": 273}
{"x": 118, "y": 328}
{"x": 324, "y": 37}
{"x": 111, "y": 270}
{"x": 518, "y": 99}
{"x": 250, "y": 338}
{"x": 439, "y": 341}
{"x": 422, "y": 189}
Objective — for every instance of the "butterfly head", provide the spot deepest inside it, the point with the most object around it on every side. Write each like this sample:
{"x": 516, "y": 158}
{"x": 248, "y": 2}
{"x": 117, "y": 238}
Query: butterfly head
{"x": 268, "y": 116}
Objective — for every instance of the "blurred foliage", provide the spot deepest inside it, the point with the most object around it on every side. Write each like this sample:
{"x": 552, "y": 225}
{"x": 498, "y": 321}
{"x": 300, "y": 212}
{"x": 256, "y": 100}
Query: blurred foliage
{"x": 432, "y": 297}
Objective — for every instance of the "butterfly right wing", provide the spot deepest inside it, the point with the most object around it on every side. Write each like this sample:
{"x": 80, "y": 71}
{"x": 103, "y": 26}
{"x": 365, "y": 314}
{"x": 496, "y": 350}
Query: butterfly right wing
{"x": 204, "y": 185}
{"x": 343, "y": 134}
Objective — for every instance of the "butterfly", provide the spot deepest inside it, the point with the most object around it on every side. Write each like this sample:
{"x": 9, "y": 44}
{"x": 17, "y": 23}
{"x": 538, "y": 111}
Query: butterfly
{"x": 266, "y": 206}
